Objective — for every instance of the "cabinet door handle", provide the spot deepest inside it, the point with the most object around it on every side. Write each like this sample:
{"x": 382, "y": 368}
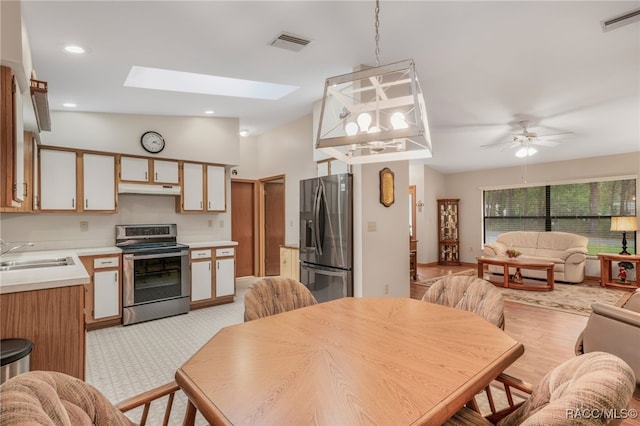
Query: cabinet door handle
{"x": 115, "y": 277}
{"x": 218, "y": 265}
{"x": 86, "y": 203}
{"x": 209, "y": 205}
{"x": 146, "y": 176}
{"x": 209, "y": 265}
{"x": 200, "y": 205}
{"x": 26, "y": 189}
{"x": 156, "y": 175}
{"x": 73, "y": 203}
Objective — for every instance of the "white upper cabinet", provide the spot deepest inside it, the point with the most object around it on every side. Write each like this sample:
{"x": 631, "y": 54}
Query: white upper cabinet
{"x": 165, "y": 172}
{"x": 192, "y": 187}
{"x": 57, "y": 180}
{"x": 134, "y": 169}
{"x": 216, "y": 185}
{"x": 99, "y": 182}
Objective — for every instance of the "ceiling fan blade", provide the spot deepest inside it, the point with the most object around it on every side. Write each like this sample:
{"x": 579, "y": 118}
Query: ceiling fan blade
{"x": 514, "y": 144}
{"x": 496, "y": 145}
{"x": 542, "y": 142}
{"x": 554, "y": 136}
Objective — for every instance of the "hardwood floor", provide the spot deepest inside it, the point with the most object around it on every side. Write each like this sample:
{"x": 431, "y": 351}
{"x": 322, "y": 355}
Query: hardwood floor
{"x": 548, "y": 336}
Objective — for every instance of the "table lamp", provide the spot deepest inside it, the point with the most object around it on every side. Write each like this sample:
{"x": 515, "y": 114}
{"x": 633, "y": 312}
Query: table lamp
{"x": 624, "y": 224}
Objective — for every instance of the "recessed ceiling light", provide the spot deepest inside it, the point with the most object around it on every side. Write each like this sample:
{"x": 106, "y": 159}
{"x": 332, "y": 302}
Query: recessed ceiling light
{"x": 244, "y": 133}
{"x": 209, "y": 112}
{"x": 178, "y": 81}
{"x": 69, "y": 105}
{"x": 74, "y": 48}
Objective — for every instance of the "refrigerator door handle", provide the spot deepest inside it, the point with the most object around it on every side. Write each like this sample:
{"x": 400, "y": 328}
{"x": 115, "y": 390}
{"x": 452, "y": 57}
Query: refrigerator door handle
{"x": 316, "y": 219}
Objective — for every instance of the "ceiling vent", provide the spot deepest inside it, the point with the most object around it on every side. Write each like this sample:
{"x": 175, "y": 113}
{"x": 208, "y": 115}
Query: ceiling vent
{"x": 290, "y": 42}
{"x": 619, "y": 21}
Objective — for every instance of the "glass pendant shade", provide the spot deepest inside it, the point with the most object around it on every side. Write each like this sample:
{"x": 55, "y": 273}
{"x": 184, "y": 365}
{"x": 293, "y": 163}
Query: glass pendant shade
{"x": 374, "y": 115}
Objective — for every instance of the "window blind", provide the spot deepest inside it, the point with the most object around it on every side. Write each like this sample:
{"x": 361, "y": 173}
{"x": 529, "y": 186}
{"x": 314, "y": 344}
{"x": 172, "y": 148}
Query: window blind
{"x": 581, "y": 208}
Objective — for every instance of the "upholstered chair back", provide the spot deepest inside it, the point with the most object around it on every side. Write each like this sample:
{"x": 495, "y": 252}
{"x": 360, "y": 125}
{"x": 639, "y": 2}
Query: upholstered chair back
{"x": 51, "y": 398}
{"x": 273, "y": 295}
{"x": 470, "y": 294}
{"x": 596, "y": 382}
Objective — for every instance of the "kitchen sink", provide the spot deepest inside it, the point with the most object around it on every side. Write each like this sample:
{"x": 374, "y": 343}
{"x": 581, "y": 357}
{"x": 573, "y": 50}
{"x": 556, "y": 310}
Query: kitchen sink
{"x": 13, "y": 265}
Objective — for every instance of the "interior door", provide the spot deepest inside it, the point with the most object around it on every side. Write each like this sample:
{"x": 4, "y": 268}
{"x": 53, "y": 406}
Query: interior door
{"x": 273, "y": 224}
{"x": 243, "y": 225}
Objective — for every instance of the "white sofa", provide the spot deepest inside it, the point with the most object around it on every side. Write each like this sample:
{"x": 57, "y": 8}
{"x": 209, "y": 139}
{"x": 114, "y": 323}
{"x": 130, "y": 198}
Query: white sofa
{"x": 567, "y": 251}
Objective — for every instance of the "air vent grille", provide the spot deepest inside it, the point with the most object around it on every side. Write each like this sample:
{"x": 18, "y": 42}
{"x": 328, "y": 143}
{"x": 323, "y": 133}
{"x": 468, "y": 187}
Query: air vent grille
{"x": 618, "y": 21}
{"x": 290, "y": 42}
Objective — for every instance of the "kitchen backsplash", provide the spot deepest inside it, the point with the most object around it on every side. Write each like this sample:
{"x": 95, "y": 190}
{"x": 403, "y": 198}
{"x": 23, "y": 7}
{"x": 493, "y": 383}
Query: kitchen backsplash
{"x": 51, "y": 231}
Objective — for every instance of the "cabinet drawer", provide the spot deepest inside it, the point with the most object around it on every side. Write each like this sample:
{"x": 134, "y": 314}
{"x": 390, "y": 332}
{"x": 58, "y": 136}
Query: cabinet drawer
{"x": 201, "y": 254}
{"x": 106, "y": 262}
{"x": 227, "y": 251}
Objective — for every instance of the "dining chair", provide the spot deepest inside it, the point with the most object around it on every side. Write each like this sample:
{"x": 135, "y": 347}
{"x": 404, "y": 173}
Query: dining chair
{"x": 53, "y": 398}
{"x": 273, "y": 295}
{"x": 590, "y": 389}
{"x": 468, "y": 293}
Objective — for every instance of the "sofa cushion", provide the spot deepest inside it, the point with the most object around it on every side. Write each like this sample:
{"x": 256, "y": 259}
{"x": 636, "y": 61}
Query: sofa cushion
{"x": 521, "y": 240}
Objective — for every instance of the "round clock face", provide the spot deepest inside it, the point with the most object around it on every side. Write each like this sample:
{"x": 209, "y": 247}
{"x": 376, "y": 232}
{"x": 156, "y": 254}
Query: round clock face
{"x": 152, "y": 142}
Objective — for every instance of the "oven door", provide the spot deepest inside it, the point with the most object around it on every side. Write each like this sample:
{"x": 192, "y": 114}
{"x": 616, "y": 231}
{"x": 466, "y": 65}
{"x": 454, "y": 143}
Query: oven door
{"x": 152, "y": 277}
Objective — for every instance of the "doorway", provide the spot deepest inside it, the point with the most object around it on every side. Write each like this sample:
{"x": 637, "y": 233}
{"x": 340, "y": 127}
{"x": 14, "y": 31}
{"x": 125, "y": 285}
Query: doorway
{"x": 244, "y": 225}
{"x": 272, "y": 223}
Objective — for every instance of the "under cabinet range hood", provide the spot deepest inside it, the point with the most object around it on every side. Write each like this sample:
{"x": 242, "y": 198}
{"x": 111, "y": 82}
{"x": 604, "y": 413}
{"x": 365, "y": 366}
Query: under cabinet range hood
{"x": 135, "y": 188}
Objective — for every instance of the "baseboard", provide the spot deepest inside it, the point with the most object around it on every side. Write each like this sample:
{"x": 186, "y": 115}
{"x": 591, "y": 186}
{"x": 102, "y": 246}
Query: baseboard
{"x": 431, "y": 264}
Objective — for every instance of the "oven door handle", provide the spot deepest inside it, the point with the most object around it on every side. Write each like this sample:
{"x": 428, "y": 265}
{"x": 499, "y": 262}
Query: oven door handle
{"x": 155, "y": 256}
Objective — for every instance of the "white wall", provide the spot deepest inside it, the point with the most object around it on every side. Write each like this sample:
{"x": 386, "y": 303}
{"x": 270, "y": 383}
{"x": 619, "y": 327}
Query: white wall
{"x": 205, "y": 139}
{"x": 286, "y": 150}
{"x": 381, "y": 255}
{"x": 467, "y": 187}
{"x": 430, "y": 185}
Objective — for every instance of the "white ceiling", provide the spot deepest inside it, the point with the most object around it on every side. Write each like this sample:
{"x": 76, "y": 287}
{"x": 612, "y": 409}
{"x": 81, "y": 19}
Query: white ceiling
{"x": 483, "y": 66}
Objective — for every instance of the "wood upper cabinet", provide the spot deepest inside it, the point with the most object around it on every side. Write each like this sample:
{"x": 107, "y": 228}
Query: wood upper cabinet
{"x": 203, "y": 188}
{"x": 146, "y": 170}
{"x": 192, "y": 187}
{"x": 28, "y": 202}
{"x": 216, "y": 188}
{"x": 99, "y": 177}
{"x": 57, "y": 180}
{"x": 68, "y": 176}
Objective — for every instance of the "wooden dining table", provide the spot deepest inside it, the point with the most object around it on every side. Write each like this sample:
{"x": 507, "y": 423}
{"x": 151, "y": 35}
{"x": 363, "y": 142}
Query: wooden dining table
{"x": 351, "y": 361}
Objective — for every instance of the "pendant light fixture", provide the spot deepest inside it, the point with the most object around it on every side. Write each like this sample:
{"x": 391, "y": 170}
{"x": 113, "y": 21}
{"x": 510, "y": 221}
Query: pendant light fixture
{"x": 375, "y": 114}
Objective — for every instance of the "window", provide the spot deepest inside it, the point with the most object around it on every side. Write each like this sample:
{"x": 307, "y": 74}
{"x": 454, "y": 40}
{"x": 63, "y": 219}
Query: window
{"x": 581, "y": 208}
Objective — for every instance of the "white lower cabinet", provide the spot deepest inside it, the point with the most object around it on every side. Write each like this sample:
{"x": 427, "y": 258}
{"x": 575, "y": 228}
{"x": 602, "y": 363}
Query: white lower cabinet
{"x": 225, "y": 277}
{"x": 212, "y": 276}
{"x": 200, "y": 280}
{"x": 106, "y": 302}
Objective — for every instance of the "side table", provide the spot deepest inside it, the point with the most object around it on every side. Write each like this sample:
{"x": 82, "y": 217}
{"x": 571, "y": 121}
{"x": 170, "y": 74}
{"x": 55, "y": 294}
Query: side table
{"x": 606, "y": 280}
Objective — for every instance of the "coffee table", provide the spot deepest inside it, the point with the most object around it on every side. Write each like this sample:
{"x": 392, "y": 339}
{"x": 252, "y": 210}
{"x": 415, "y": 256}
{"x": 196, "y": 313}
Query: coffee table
{"x": 507, "y": 263}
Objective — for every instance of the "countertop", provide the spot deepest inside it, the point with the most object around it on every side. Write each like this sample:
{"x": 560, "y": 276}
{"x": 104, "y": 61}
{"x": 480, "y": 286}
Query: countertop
{"x": 43, "y": 278}
{"x": 203, "y": 244}
{"x": 63, "y": 276}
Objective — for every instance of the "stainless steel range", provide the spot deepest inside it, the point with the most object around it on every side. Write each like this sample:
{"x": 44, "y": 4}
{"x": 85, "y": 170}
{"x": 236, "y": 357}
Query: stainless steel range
{"x": 155, "y": 272}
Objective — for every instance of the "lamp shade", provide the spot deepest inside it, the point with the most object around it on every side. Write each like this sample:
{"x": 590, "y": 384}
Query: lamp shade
{"x": 374, "y": 115}
{"x": 624, "y": 223}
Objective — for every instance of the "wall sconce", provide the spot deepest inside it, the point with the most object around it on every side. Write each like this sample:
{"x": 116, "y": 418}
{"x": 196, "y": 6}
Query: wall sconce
{"x": 420, "y": 205}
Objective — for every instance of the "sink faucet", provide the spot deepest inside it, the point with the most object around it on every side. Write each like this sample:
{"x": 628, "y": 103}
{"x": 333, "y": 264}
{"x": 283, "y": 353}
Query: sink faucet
{"x": 4, "y": 243}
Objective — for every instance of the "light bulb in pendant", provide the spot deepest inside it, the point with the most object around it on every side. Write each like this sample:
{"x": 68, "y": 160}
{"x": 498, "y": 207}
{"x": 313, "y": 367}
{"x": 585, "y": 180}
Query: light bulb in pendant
{"x": 351, "y": 128}
{"x": 398, "y": 121}
{"x": 364, "y": 121}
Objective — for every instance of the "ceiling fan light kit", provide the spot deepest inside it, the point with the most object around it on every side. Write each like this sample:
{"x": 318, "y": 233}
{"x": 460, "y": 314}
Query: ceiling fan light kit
{"x": 373, "y": 115}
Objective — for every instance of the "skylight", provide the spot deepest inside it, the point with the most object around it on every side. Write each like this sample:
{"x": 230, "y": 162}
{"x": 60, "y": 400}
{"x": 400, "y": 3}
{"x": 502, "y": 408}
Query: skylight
{"x": 178, "y": 81}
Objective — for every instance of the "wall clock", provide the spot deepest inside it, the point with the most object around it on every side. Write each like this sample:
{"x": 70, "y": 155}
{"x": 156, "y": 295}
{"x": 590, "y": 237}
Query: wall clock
{"x": 152, "y": 142}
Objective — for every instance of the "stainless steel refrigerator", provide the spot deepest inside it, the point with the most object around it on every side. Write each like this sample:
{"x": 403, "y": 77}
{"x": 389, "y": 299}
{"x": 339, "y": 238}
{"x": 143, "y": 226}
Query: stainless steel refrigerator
{"x": 326, "y": 236}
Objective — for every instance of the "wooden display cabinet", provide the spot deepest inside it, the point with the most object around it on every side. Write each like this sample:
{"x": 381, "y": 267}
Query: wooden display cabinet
{"x": 448, "y": 232}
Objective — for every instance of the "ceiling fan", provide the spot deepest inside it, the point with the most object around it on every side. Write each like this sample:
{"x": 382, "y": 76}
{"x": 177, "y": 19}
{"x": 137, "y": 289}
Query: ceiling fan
{"x": 526, "y": 141}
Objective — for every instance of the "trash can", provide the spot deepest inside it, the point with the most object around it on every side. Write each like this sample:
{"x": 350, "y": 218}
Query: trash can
{"x": 16, "y": 354}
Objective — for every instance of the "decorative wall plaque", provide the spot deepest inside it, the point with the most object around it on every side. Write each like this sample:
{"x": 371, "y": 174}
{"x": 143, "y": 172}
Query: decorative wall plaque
{"x": 387, "y": 189}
